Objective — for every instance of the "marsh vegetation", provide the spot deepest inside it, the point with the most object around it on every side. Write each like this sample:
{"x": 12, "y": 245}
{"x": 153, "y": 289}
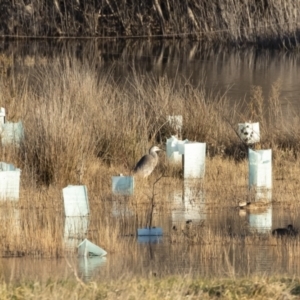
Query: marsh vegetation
{"x": 272, "y": 23}
{"x": 155, "y": 288}
{"x": 82, "y": 127}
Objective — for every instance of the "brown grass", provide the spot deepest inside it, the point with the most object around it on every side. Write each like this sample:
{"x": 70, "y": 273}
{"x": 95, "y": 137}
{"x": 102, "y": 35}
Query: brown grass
{"x": 171, "y": 287}
{"x": 257, "y": 22}
{"x": 83, "y": 130}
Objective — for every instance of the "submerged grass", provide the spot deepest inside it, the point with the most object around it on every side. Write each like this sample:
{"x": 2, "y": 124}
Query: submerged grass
{"x": 82, "y": 128}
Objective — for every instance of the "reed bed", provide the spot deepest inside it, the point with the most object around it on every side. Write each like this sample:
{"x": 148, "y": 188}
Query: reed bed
{"x": 82, "y": 127}
{"x": 237, "y": 22}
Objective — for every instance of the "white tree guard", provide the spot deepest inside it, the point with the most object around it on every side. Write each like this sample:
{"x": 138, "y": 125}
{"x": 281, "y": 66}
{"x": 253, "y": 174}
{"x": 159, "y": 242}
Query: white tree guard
{"x": 12, "y": 133}
{"x": 249, "y": 132}
{"x": 9, "y": 182}
{"x": 180, "y": 146}
{"x": 76, "y": 202}
{"x": 260, "y": 169}
{"x": 194, "y": 160}
{"x": 173, "y": 154}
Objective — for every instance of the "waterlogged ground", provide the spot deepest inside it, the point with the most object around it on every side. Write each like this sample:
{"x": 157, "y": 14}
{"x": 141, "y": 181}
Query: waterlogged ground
{"x": 205, "y": 232}
{"x": 201, "y": 237}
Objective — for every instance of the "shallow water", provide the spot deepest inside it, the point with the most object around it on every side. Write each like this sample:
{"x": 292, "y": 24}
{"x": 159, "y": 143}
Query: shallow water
{"x": 198, "y": 239}
{"x": 219, "y": 70}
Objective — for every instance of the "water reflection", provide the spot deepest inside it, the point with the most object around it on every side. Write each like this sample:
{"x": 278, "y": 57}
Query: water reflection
{"x": 264, "y": 195}
{"x": 189, "y": 202}
{"x": 75, "y": 231}
{"x": 260, "y": 216}
{"x": 226, "y": 245}
{"x": 260, "y": 259}
{"x": 143, "y": 239}
{"x": 216, "y": 255}
{"x": 10, "y": 218}
{"x": 220, "y": 69}
{"x": 87, "y": 266}
{"x": 261, "y": 222}
{"x": 120, "y": 207}
{"x": 236, "y": 70}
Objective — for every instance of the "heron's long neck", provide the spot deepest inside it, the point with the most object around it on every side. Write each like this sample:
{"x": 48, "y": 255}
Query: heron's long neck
{"x": 153, "y": 153}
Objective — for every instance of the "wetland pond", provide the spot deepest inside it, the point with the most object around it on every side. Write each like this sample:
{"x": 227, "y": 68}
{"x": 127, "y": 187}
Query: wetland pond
{"x": 201, "y": 237}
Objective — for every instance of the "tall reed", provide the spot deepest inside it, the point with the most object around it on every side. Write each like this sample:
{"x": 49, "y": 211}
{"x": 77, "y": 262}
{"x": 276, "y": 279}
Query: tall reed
{"x": 261, "y": 22}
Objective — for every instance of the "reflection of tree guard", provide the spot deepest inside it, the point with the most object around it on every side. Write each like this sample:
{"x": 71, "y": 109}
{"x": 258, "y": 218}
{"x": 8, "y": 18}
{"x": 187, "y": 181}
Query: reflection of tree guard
{"x": 152, "y": 201}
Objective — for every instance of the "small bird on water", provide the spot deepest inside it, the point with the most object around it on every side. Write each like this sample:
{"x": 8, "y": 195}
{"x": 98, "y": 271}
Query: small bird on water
{"x": 147, "y": 163}
{"x": 289, "y": 231}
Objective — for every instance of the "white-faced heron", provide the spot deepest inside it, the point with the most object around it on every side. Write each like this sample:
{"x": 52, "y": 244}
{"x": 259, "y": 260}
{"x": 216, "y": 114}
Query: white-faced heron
{"x": 147, "y": 163}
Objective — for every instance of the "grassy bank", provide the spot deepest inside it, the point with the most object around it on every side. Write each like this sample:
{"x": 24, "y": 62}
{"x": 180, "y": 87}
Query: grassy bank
{"x": 157, "y": 288}
{"x": 261, "y": 22}
{"x": 82, "y": 128}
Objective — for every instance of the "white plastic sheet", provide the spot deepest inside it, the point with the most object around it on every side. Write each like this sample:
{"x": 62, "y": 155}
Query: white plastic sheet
{"x": 76, "y": 202}
{"x": 87, "y": 248}
{"x": 9, "y": 182}
{"x": 260, "y": 169}
{"x": 123, "y": 185}
{"x": 194, "y": 160}
{"x": 249, "y": 132}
